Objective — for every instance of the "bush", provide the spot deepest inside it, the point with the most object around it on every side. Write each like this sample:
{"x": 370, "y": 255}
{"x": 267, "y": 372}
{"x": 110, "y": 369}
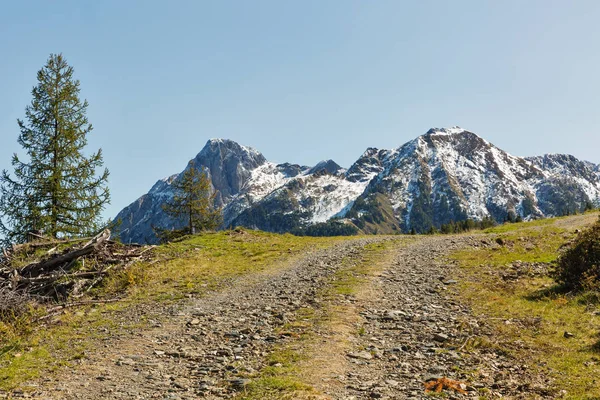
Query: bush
{"x": 578, "y": 268}
{"x": 169, "y": 235}
{"x": 13, "y": 304}
{"x": 329, "y": 228}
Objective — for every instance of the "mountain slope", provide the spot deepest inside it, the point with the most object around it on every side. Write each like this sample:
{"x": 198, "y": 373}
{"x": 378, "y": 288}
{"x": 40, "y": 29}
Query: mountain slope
{"x": 453, "y": 174}
{"x": 444, "y": 175}
{"x": 232, "y": 169}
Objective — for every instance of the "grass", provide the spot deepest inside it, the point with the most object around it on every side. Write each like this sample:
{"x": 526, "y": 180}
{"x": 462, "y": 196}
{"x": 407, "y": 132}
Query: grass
{"x": 200, "y": 263}
{"x": 528, "y": 245}
{"x": 39, "y": 351}
{"x": 281, "y": 379}
{"x": 511, "y": 227}
{"x": 530, "y": 315}
{"x": 189, "y": 268}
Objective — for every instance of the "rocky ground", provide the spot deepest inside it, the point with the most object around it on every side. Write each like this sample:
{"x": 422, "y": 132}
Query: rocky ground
{"x": 414, "y": 331}
{"x": 403, "y": 327}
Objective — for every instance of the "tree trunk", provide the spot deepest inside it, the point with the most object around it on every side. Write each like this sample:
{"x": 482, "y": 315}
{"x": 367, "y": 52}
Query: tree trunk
{"x": 191, "y": 225}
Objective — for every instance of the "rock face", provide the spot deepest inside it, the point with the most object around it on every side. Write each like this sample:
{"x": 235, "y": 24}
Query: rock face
{"x": 453, "y": 174}
{"x": 444, "y": 175}
{"x": 240, "y": 175}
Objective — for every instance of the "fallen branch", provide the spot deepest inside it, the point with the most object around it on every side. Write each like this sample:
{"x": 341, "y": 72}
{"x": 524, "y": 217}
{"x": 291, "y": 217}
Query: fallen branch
{"x": 35, "y": 235}
{"x": 55, "y": 277}
{"x": 72, "y": 274}
{"x": 34, "y": 245}
{"x": 52, "y": 250}
{"x": 35, "y": 269}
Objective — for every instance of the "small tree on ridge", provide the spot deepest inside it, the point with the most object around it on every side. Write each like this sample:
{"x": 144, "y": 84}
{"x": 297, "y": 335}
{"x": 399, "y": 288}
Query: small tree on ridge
{"x": 193, "y": 202}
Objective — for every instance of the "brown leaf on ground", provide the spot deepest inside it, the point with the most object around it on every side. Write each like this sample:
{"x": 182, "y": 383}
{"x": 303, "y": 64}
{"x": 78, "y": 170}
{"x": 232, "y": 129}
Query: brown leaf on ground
{"x": 438, "y": 385}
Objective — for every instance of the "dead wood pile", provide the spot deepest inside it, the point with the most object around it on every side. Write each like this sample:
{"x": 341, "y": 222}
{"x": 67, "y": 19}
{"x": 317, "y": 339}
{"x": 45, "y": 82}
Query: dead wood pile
{"x": 65, "y": 269}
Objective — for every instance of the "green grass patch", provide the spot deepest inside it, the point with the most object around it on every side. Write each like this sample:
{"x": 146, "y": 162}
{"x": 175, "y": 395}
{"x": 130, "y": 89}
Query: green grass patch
{"x": 531, "y": 314}
{"x": 511, "y": 227}
{"x": 41, "y": 351}
{"x": 347, "y": 280}
{"x": 528, "y": 245}
{"x": 281, "y": 378}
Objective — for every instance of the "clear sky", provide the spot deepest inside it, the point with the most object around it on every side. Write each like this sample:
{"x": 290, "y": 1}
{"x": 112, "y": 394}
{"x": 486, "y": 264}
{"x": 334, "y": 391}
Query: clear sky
{"x": 307, "y": 80}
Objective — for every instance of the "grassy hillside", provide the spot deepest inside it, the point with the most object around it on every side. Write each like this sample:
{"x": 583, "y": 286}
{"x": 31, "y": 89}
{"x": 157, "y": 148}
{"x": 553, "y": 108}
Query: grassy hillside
{"x": 505, "y": 279}
{"x": 507, "y": 283}
{"x": 189, "y": 268}
{"x": 374, "y": 215}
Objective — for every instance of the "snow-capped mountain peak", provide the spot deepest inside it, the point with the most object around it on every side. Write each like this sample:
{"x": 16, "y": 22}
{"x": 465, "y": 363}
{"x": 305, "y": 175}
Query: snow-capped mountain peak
{"x": 445, "y": 131}
{"x": 446, "y": 174}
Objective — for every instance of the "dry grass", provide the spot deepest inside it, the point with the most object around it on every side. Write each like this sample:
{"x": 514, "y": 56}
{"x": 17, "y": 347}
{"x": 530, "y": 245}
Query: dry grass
{"x": 201, "y": 263}
{"x": 191, "y": 267}
{"x": 530, "y": 315}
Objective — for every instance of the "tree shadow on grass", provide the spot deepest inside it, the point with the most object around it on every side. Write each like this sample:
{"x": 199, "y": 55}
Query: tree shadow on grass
{"x": 548, "y": 293}
{"x": 595, "y": 347}
{"x": 588, "y": 298}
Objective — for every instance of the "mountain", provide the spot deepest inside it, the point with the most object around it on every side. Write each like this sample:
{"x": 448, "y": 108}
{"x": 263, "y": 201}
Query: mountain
{"x": 453, "y": 174}
{"x": 239, "y": 174}
{"x": 447, "y": 174}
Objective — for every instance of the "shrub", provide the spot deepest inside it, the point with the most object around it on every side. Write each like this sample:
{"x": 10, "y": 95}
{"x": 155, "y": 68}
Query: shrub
{"x": 329, "y": 228}
{"x": 12, "y": 304}
{"x": 578, "y": 268}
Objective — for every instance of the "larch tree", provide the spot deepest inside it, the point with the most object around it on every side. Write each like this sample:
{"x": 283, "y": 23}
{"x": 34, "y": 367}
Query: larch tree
{"x": 193, "y": 202}
{"x": 56, "y": 189}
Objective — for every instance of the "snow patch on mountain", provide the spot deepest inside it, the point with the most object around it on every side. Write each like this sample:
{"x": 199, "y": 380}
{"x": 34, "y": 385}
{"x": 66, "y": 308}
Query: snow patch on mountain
{"x": 447, "y": 172}
{"x": 162, "y": 187}
{"x": 263, "y": 180}
{"x": 332, "y": 194}
{"x": 454, "y": 163}
{"x": 250, "y": 151}
{"x": 562, "y": 166}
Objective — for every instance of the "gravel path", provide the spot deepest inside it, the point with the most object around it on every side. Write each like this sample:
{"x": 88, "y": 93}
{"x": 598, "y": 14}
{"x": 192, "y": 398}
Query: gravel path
{"x": 413, "y": 331}
{"x": 203, "y": 350}
{"x": 406, "y": 328}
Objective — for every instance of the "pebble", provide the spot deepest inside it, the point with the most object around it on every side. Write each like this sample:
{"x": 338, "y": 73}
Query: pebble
{"x": 361, "y": 355}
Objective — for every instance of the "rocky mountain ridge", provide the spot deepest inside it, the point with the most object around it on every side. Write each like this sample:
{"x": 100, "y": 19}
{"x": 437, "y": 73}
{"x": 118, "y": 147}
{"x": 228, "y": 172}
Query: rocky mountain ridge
{"x": 447, "y": 174}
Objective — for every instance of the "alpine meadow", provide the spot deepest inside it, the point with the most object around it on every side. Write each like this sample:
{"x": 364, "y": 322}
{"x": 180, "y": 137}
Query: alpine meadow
{"x": 292, "y": 211}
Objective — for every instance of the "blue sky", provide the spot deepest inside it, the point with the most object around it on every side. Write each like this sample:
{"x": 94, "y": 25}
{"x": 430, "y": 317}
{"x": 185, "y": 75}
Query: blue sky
{"x": 307, "y": 80}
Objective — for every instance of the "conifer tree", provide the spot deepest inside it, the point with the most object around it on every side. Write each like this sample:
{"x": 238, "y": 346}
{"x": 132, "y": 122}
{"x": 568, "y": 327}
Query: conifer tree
{"x": 56, "y": 189}
{"x": 193, "y": 202}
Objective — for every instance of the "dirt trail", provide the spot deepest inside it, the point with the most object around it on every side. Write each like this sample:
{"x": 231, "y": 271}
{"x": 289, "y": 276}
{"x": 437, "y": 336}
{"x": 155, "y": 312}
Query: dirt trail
{"x": 413, "y": 330}
{"x": 206, "y": 348}
{"x": 402, "y": 328}
{"x": 577, "y": 221}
